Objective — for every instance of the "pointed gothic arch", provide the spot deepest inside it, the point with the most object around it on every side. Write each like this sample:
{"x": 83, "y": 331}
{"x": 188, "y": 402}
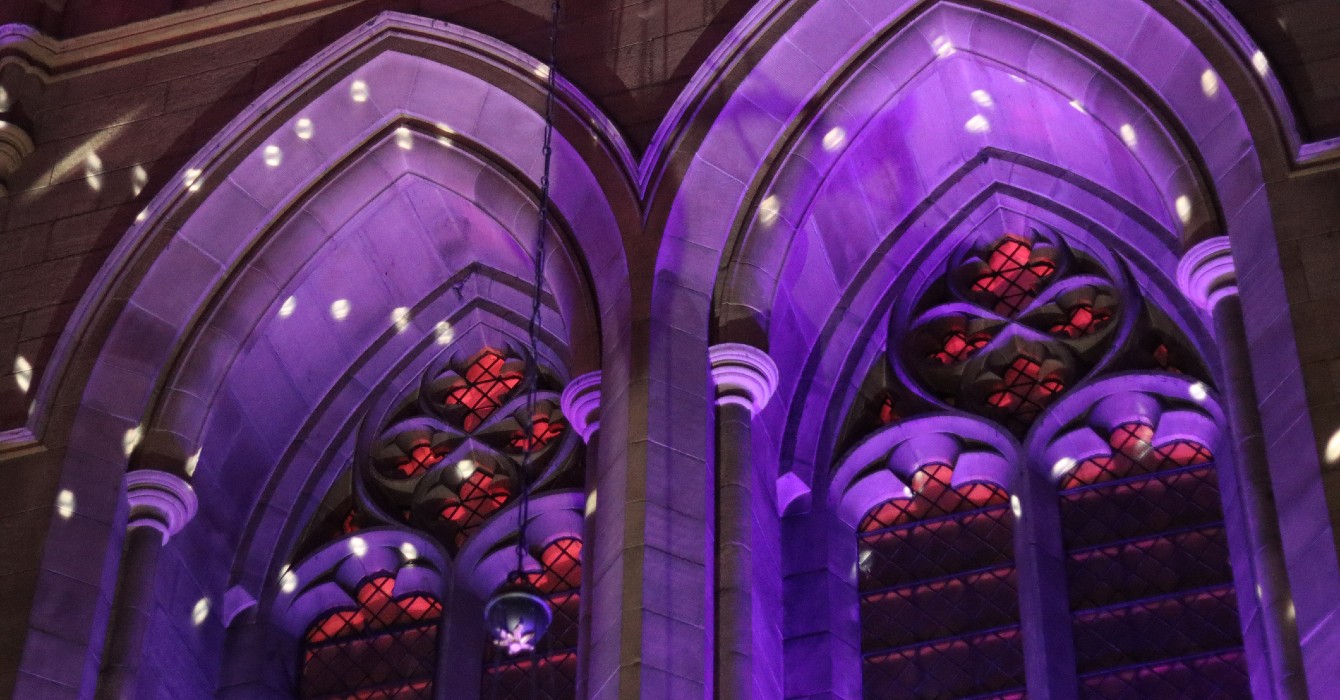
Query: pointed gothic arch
{"x": 333, "y": 238}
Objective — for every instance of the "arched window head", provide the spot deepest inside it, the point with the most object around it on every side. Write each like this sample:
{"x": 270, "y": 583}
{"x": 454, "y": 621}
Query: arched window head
{"x": 931, "y": 495}
{"x": 1134, "y": 454}
{"x": 384, "y": 645}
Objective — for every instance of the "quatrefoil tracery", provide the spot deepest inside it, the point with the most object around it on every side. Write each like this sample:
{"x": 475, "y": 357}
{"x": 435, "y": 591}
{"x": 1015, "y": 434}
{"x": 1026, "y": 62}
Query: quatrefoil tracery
{"x": 453, "y": 458}
{"x": 1017, "y": 323}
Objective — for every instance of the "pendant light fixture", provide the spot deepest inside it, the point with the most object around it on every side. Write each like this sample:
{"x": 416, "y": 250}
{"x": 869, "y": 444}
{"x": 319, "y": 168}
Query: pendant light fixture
{"x": 517, "y": 614}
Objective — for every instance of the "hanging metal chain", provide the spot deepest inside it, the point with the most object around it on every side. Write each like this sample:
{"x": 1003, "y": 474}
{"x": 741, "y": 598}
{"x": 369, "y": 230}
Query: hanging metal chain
{"x": 533, "y": 328}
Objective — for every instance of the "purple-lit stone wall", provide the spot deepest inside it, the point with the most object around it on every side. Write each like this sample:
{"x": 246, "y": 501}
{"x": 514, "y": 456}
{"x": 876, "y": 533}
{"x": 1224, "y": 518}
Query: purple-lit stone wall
{"x": 377, "y": 206}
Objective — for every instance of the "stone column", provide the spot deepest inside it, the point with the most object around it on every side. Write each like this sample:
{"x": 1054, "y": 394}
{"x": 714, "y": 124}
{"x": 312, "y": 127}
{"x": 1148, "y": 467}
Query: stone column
{"x": 1044, "y": 601}
{"x": 745, "y": 378}
{"x": 160, "y": 506}
{"x": 581, "y": 407}
{"x": 1207, "y": 277}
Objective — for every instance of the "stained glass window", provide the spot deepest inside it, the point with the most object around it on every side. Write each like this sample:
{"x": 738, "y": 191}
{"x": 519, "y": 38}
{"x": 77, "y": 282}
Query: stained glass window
{"x": 1082, "y": 320}
{"x": 383, "y": 647}
{"x": 1013, "y": 277}
{"x": 482, "y": 390}
{"x": 550, "y": 672}
{"x": 1024, "y": 392}
{"x": 1151, "y": 590}
{"x": 939, "y": 607}
{"x": 476, "y": 499}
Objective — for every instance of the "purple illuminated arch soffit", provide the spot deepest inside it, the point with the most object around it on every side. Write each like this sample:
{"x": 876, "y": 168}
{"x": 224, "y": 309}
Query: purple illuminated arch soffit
{"x": 339, "y": 234}
{"x": 861, "y": 136}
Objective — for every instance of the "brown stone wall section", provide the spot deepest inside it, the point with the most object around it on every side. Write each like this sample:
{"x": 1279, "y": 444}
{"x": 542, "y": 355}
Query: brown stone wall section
{"x": 1307, "y": 221}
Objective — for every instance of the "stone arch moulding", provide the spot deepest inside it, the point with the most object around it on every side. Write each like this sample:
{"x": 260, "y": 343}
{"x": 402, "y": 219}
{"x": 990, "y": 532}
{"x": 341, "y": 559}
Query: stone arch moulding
{"x": 414, "y": 103}
{"x": 777, "y": 108}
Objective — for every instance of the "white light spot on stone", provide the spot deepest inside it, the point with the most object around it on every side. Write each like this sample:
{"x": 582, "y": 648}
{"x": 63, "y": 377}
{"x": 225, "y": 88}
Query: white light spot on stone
{"x": 943, "y": 46}
{"x": 404, "y": 138}
{"x": 131, "y": 439}
{"x": 1016, "y": 78}
{"x": 358, "y": 546}
{"x": 286, "y": 309}
{"x": 1291, "y": 612}
{"x": 400, "y": 318}
{"x": 1079, "y": 106}
{"x": 358, "y": 91}
{"x": 1128, "y": 135}
{"x": 983, "y": 98}
{"x": 1183, "y": 205}
{"x": 591, "y": 503}
{"x": 304, "y": 129}
{"x": 288, "y": 581}
{"x": 1333, "y": 448}
{"x": 1260, "y": 63}
{"x": 200, "y": 612}
{"x": 768, "y": 209}
{"x": 93, "y": 170}
{"x": 188, "y": 179}
{"x": 273, "y": 156}
{"x": 23, "y": 373}
{"x": 4, "y": 100}
{"x": 409, "y": 551}
{"x": 1209, "y": 83}
{"x": 191, "y": 463}
{"x": 863, "y": 559}
{"x": 1258, "y": 591}
{"x": 444, "y": 332}
{"x": 339, "y": 309}
{"x": 446, "y": 142}
{"x": 1062, "y": 467}
{"x": 144, "y": 214}
{"x": 834, "y": 139}
{"x": 1198, "y": 391}
{"x": 139, "y": 177}
{"x": 65, "y": 503}
{"x": 442, "y": 126}
{"x": 542, "y": 72}
{"x": 1016, "y": 507}
{"x": 978, "y": 124}
{"x": 464, "y": 469}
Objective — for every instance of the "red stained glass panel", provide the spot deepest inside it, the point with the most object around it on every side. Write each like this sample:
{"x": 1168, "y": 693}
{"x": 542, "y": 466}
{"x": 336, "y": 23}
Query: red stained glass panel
{"x": 1151, "y": 589}
{"x": 485, "y": 385}
{"x": 543, "y": 430}
{"x": 384, "y": 647}
{"x": 955, "y": 348}
{"x": 550, "y": 672}
{"x": 478, "y": 498}
{"x": 1024, "y": 393}
{"x": 939, "y": 603}
{"x": 1083, "y": 320}
{"x": 1013, "y": 278}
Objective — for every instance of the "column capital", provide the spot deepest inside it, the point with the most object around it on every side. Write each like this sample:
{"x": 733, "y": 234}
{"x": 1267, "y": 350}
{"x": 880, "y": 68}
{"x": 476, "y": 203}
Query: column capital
{"x": 1206, "y": 273}
{"x": 162, "y": 501}
{"x": 580, "y": 404}
{"x": 743, "y": 375}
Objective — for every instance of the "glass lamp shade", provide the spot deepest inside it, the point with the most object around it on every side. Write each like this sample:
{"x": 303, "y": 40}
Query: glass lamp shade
{"x": 517, "y": 617}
